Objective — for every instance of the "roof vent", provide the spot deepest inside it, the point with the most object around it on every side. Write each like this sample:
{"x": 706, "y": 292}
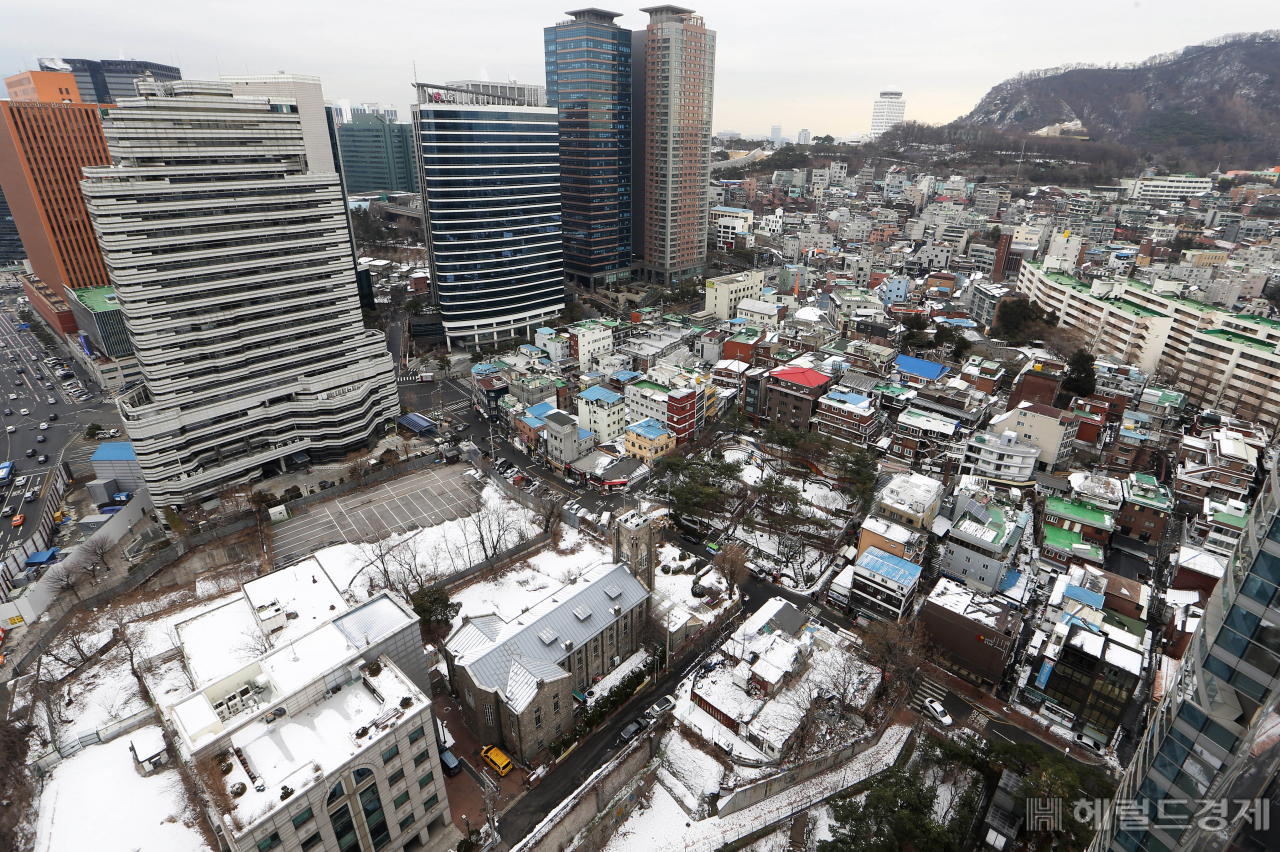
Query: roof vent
{"x": 582, "y": 613}
{"x": 547, "y": 636}
{"x": 613, "y": 591}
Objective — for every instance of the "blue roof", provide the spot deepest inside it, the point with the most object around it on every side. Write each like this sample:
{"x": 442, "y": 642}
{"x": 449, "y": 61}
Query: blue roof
{"x": 1009, "y": 580}
{"x": 889, "y": 566}
{"x": 584, "y": 434}
{"x": 649, "y": 428}
{"x": 533, "y": 422}
{"x": 1076, "y": 593}
{"x": 960, "y": 323}
{"x": 114, "y": 451}
{"x": 625, "y": 375}
{"x": 918, "y": 367}
{"x": 850, "y": 398}
{"x": 416, "y": 422}
{"x": 541, "y": 410}
{"x": 737, "y": 321}
{"x": 547, "y": 331}
{"x": 598, "y": 393}
{"x": 484, "y": 369}
{"x": 42, "y": 556}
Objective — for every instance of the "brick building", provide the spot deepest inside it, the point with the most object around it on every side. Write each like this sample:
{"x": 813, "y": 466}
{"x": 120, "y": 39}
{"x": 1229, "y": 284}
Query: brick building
{"x": 975, "y": 633}
{"x": 791, "y": 396}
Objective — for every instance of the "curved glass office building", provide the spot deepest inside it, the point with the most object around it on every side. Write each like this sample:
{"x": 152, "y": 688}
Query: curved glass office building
{"x": 490, "y": 177}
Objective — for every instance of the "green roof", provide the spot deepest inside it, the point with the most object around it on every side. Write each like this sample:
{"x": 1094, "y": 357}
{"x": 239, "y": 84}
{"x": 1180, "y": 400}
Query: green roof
{"x": 648, "y": 385}
{"x": 1082, "y": 512}
{"x": 1167, "y": 397}
{"x": 1240, "y": 339}
{"x": 1144, "y": 479}
{"x": 98, "y": 299}
{"x": 1134, "y": 308}
{"x": 1227, "y": 519}
{"x": 1131, "y": 625}
{"x": 1066, "y": 540}
{"x": 893, "y": 390}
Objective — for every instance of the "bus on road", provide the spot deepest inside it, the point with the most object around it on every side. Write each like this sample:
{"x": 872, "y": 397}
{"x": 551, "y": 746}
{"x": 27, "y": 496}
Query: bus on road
{"x": 6, "y": 472}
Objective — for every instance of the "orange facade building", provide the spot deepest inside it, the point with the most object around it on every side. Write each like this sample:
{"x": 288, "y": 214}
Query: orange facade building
{"x": 52, "y": 87}
{"x": 43, "y": 147}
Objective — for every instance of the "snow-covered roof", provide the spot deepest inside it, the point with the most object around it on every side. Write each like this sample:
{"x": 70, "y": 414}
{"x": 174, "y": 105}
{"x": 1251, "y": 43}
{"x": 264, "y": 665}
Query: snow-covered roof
{"x": 511, "y": 657}
{"x": 1126, "y": 658}
{"x": 1088, "y": 641}
{"x": 303, "y": 590}
{"x": 972, "y": 605}
{"x": 718, "y": 689}
{"x": 1200, "y": 561}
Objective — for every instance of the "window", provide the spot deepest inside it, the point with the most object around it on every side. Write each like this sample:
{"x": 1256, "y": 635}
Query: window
{"x": 362, "y": 775}
{"x": 426, "y": 779}
{"x": 422, "y": 757}
{"x": 415, "y": 735}
{"x": 301, "y": 818}
{"x": 395, "y": 777}
{"x": 537, "y": 717}
{"x": 271, "y": 841}
{"x": 374, "y": 817}
{"x": 555, "y": 703}
{"x": 407, "y": 821}
{"x": 402, "y": 800}
{"x": 311, "y": 842}
{"x": 488, "y": 714}
{"x": 344, "y": 828}
{"x": 430, "y": 803}
{"x": 336, "y": 793}
{"x": 389, "y": 754}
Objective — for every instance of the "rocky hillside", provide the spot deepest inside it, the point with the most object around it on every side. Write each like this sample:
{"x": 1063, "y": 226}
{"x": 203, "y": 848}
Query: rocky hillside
{"x": 1208, "y": 103}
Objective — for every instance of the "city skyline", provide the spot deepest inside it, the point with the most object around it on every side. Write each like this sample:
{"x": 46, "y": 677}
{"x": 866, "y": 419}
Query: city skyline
{"x": 828, "y": 88}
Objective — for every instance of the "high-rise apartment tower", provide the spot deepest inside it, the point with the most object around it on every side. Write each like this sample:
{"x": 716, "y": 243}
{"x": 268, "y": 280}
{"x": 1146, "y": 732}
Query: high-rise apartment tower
{"x": 489, "y": 168}
{"x": 233, "y": 269}
{"x": 589, "y": 83}
{"x": 675, "y": 60}
{"x": 1212, "y": 737}
{"x": 887, "y": 111}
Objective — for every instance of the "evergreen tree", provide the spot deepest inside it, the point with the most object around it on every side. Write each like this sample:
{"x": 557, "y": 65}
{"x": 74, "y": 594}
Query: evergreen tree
{"x": 1081, "y": 379}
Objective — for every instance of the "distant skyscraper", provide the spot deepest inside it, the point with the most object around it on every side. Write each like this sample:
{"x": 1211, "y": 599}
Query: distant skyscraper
{"x": 888, "y": 110}
{"x": 775, "y": 134}
{"x": 589, "y": 83}
{"x": 1212, "y": 734}
{"x": 802, "y": 137}
{"x": 675, "y": 61}
{"x": 106, "y": 81}
{"x": 490, "y": 177}
{"x": 378, "y": 155}
{"x": 232, "y": 263}
{"x": 531, "y": 93}
{"x": 43, "y": 146}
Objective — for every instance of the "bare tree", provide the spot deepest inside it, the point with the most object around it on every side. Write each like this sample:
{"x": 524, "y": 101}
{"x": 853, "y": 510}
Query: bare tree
{"x": 134, "y": 642}
{"x": 67, "y": 577}
{"x": 96, "y": 550}
{"x": 253, "y": 644}
{"x": 731, "y": 562}
{"x": 235, "y": 499}
{"x": 493, "y": 529}
{"x": 797, "y": 705}
{"x": 378, "y": 550}
{"x": 171, "y": 633}
{"x": 902, "y": 651}
{"x": 75, "y": 649}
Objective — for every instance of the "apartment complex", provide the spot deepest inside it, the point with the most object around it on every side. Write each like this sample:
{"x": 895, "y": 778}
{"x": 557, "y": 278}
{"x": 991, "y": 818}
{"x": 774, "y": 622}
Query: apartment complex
{"x": 674, "y": 59}
{"x": 588, "y": 60}
{"x": 491, "y": 213}
{"x": 248, "y": 327}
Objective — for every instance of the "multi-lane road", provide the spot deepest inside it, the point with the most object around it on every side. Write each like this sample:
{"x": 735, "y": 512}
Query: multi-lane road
{"x": 30, "y": 391}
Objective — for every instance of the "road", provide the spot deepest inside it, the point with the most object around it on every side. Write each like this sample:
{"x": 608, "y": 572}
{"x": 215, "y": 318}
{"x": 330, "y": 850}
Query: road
{"x": 21, "y": 349}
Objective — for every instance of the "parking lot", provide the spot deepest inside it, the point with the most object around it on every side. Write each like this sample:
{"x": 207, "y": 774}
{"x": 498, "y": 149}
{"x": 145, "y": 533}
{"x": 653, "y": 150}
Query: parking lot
{"x": 412, "y": 502}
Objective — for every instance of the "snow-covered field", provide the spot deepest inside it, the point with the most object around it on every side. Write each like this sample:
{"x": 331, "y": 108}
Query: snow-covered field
{"x": 698, "y": 772}
{"x": 95, "y": 800}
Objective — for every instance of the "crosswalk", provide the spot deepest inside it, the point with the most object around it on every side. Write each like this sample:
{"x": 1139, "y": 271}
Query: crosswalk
{"x": 407, "y": 377}
{"x": 928, "y": 689}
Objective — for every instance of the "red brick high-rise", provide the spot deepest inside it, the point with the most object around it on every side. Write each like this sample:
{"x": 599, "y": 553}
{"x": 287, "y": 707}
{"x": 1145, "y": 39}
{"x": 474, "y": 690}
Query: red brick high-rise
{"x": 43, "y": 147}
{"x": 673, "y": 66}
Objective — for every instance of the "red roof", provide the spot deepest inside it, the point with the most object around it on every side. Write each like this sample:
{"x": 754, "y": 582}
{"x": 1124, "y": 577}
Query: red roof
{"x": 801, "y": 376}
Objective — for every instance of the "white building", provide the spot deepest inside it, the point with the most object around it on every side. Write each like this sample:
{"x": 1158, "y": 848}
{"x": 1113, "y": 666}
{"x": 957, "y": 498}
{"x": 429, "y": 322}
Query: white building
{"x": 839, "y": 171}
{"x": 602, "y": 412}
{"x": 1158, "y": 190}
{"x": 724, "y": 293}
{"x": 590, "y": 340}
{"x": 309, "y": 96}
{"x": 887, "y": 111}
{"x": 1048, "y": 428}
{"x": 1001, "y": 457}
{"x": 232, "y": 263}
{"x": 758, "y": 313}
{"x": 802, "y": 138}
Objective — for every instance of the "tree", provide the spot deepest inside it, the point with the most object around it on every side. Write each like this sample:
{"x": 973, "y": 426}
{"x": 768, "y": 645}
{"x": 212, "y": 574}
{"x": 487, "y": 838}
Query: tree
{"x": 434, "y": 607}
{"x": 961, "y": 348}
{"x": 1051, "y": 774}
{"x": 902, "y": 651}
{"x": 444, "y": 362}
{"x": 92, "y": 430}
{"x": 1013, "y": 315}
{"x": 731, "y": 562}
{"x": 896, "y": 814}
{"x": 857, "y": 469}
{"x": 67, "y": 577}
{"x": 1081, "y": 379}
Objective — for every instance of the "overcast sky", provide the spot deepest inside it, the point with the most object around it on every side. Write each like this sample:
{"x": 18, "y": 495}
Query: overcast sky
{"x": 816, "y": 64}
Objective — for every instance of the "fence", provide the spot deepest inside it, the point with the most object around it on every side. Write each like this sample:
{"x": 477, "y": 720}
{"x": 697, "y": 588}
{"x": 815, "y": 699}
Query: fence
{"x": 761, "y": 790}
{"x": 43, "y": 634}
{"x": 52, "y": 758}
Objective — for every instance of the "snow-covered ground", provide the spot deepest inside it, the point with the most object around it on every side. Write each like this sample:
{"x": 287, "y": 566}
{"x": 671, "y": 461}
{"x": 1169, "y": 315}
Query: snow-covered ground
{"x": 538, "y": 576}
{"x": 663, "y": 826}
{"x": 700, "y": 773}
{"x": 95, "y": 800}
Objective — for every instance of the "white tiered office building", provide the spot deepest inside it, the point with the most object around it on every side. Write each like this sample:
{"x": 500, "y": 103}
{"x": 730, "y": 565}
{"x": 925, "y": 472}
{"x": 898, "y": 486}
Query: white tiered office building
{"x": 887, "y": 111}
{"x": 233, "y": 267}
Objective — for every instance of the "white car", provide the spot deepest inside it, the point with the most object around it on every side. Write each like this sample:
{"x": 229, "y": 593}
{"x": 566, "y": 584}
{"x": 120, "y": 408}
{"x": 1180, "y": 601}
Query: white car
{"x": 44, "y": 425}
{"x": 938, "y": 712}
{"x": 13, "y": 396}
{"x": 24, "y": 411}
{"x": 19, "y": 482}
{"x": 11, "y": 428}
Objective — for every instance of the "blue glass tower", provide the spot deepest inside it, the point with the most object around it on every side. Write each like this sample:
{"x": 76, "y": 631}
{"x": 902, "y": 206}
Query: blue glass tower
{"x": 589, "y": 84}
{"x": 489, "y": 169}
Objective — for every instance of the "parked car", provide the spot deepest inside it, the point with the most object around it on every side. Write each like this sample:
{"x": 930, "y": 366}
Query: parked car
{"x": 493, "y": 756}
{"x": 450, "y": 764}
{"x": 662, "y": 705}
{"x": 939, "y": 713}
{"x": 631, "y": 731}
{"x": 1090, "y": 743}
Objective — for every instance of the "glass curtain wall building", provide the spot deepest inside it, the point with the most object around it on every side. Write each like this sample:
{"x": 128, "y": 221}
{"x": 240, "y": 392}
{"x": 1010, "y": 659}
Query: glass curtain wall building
{"x": 489, "y": 169}
{"x": 1204, "y": 775}
{"x": 589, "y": 82}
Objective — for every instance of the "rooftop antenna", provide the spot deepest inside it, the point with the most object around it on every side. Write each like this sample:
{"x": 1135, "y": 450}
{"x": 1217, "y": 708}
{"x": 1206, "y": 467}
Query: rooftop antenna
{"x": 1021, "y": 157}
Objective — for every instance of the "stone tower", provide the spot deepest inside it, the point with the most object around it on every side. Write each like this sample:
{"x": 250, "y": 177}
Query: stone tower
{"x": 636, "y": 538}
